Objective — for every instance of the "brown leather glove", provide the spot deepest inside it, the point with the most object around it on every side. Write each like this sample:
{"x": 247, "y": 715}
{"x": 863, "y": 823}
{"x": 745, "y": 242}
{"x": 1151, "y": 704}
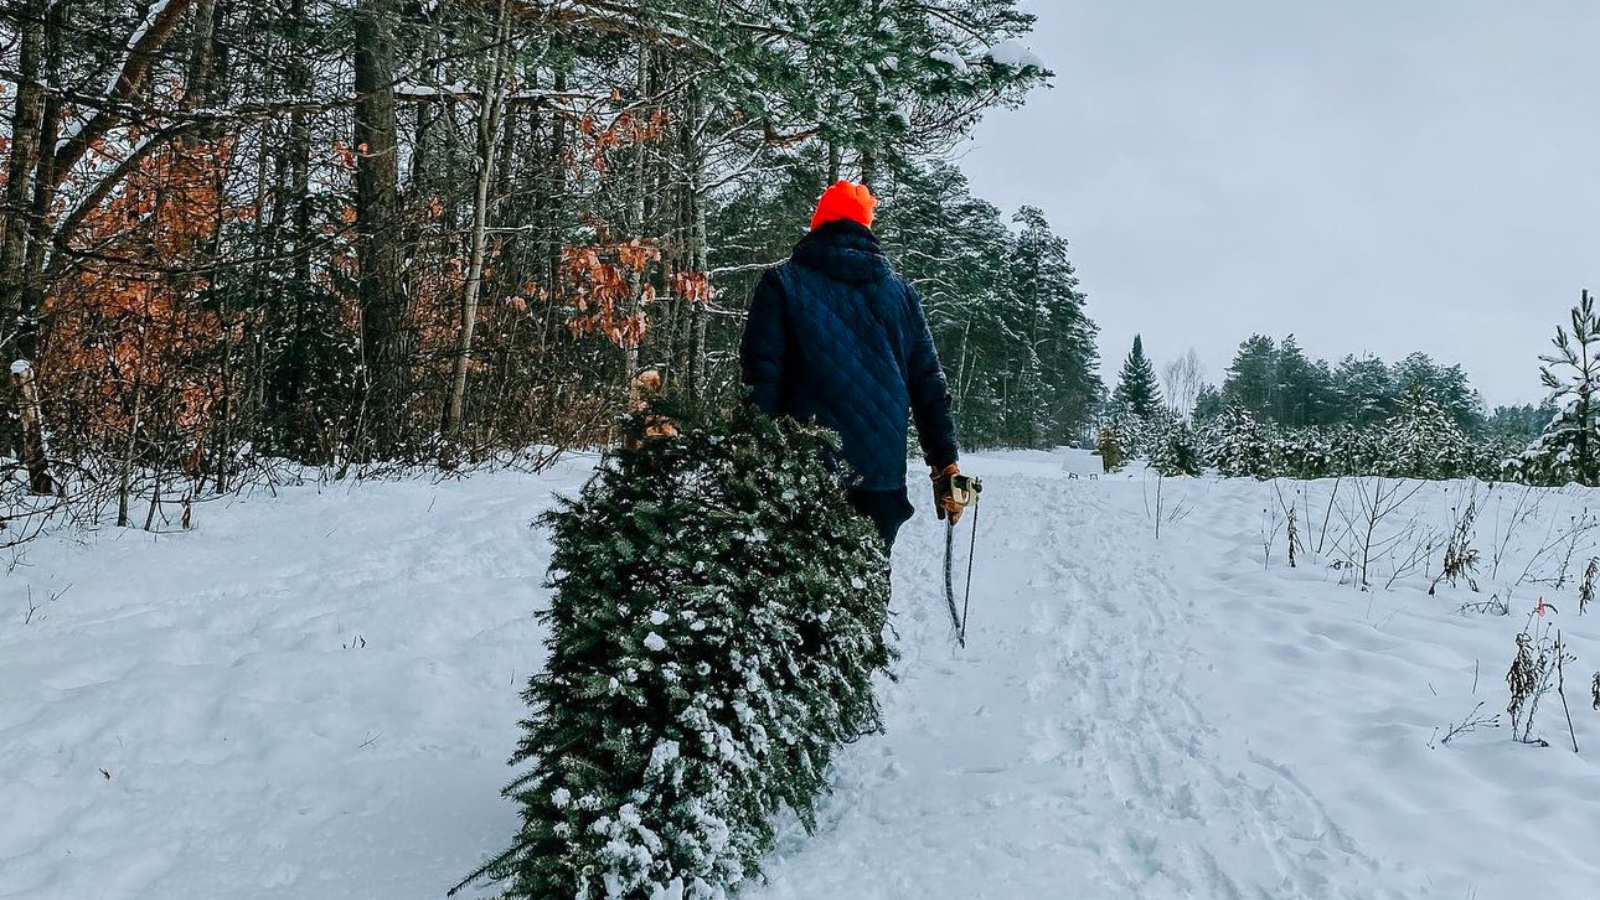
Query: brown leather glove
{"x": 944, "y": 503}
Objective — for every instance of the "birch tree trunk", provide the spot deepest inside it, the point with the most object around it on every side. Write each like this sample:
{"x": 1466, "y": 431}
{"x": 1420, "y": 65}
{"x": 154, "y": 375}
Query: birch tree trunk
{"x": 26, "y": 389}
{"x": 27, "y": 120}
{"x": 494, "y": 91}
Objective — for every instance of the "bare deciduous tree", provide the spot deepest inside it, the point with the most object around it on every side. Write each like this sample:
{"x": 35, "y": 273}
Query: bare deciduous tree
{"x": 1181, "y": 380}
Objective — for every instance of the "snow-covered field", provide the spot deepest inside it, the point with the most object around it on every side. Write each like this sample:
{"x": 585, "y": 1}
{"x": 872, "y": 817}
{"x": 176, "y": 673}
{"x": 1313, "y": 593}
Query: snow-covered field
{"x": 312, "y": 695}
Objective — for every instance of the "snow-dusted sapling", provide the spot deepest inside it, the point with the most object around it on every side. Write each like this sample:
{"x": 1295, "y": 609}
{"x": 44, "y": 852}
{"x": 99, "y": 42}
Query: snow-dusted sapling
{"x": 1423, "y": 441}
{"x": 1110, "y": 446}
{"x": 1240, "y": 446}
{"x": 717, "y": 621}
{"x": 1567, "y": 448}
{"x": 1174, "y": 449}
{"x": 1304, "y": 453}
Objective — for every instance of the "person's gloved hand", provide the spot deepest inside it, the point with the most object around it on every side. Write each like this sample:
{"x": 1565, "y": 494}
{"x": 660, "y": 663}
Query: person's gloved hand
{"x": 944, "y": 502}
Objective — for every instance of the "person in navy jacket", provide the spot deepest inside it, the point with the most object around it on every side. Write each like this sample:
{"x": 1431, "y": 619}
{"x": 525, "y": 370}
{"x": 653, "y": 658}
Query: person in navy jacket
{"x": 835, "y": 337}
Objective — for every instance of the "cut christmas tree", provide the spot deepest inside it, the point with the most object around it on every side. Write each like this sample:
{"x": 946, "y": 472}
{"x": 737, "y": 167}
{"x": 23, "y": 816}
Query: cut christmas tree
{"x": 717, "y": 622}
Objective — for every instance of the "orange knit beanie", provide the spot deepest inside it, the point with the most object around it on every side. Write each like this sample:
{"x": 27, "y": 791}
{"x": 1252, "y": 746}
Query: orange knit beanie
{"x": 845, "y": 200}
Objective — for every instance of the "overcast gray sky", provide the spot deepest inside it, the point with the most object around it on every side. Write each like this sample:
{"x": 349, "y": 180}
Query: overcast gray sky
{"x": 1370, "y": 176}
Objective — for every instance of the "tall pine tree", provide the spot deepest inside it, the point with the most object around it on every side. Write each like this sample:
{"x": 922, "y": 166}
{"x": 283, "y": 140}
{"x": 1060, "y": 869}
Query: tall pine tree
{"x": 1365, "y": 390}
{"x": 1252, "y": 381}
{"x": 1063, "y": 356}
{"x": 1138, "y": 392}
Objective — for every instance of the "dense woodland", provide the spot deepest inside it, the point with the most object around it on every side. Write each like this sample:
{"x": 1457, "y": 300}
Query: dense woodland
{"x": 371, "y": 230}
{"x": 363, "y": 233}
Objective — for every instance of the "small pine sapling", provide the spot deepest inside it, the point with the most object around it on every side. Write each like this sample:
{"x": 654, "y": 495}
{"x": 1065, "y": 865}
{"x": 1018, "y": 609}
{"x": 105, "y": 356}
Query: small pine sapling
{"x": 1174, "y": 449}
{"x": 1109, "y": 445}
{"x": 1566, "y": 449}
{"x": 1586, "y": 587}
{"x": 1594, "y": 688}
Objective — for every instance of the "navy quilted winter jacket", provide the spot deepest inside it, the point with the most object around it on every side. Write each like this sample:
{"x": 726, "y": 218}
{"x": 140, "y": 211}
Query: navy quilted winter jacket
{"x": 836, "y": 337}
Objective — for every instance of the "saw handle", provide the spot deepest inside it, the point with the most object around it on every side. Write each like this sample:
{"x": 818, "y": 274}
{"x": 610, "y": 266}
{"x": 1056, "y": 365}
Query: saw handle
{"x": 965, "y": 489}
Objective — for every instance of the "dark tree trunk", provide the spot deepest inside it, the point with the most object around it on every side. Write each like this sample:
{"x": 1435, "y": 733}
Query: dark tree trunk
{"x": 385, "y": 307}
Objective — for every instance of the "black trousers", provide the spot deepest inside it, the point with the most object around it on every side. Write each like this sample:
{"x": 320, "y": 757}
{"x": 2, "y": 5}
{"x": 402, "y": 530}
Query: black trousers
{"x": 887, "y": 509}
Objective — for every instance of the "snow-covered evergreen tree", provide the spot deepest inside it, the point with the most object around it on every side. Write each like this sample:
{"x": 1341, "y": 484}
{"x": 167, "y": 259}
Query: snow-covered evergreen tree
{"x": 1566, "y": 450}
{"x": 717, "y": 620}
{"x": 1067, "y": 386}
{"x": 1239, "y": 444}
{"x": 1252, "y": 378}
{"x": 1175, "y": 448}
{"x": 1301, "y": 453}
{"x": 1365, "y": 389}
{"x": 1137, "y": 389}
{"x": 1302, "y": 387}
{"x": 1110, "y": 445}
{"x": 1208, "y": 404}
{"x": 1424, "y": 441}
{"x": 1555, "y": 456}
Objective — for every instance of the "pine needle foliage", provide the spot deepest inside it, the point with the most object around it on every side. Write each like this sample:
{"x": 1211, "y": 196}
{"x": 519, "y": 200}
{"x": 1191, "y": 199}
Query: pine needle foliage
{"x": 717, "y": 620}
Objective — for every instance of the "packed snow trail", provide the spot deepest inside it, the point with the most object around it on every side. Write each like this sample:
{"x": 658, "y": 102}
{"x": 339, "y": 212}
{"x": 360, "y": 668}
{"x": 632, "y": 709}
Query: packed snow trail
{"x": 312, "y": 695}
{"x": 1060, "y": 754}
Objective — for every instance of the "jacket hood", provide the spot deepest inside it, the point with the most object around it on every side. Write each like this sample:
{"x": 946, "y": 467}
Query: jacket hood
{"x": 845, "y": 251}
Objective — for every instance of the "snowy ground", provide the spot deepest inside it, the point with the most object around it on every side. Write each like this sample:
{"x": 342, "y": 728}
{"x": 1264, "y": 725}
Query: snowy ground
{"x": 312, "y": 696}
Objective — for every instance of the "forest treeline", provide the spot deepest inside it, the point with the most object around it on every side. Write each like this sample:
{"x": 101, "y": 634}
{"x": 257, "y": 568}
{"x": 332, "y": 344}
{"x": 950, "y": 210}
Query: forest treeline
{"x": 1280, "y": 413}
{"x": 1278, "y": 384}
{"x": 346, "y": 232}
